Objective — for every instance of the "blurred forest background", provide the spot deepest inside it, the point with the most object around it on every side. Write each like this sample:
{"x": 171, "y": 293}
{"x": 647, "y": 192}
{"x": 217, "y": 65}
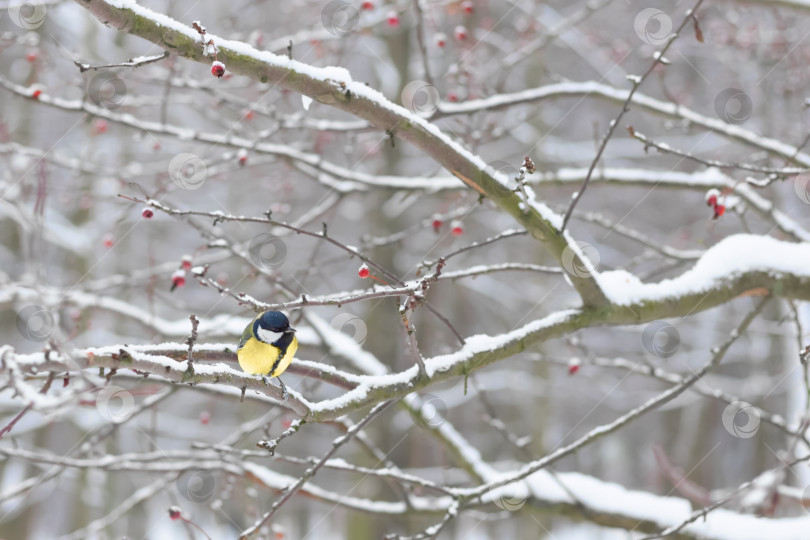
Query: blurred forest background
{"x": 81, "y": 266}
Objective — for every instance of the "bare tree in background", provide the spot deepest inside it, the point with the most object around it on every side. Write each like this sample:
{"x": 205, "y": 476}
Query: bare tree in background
{"x": 548, "y": 263}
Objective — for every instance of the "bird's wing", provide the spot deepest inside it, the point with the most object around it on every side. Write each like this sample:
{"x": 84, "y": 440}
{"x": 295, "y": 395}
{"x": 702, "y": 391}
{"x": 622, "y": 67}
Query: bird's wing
{"x": 246, "y": 334}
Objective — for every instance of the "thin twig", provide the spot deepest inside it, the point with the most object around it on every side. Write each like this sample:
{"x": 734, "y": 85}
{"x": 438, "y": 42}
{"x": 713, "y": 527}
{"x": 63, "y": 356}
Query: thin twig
{"x": 658, "y": 59}
{"x": 132, "y": 62}
{"x": 309, "y": 473}
{"x": 776, "y": 172}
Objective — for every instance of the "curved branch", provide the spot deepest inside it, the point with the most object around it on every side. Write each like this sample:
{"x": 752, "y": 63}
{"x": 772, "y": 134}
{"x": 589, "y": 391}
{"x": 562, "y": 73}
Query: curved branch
{"x": 335, "y": 87}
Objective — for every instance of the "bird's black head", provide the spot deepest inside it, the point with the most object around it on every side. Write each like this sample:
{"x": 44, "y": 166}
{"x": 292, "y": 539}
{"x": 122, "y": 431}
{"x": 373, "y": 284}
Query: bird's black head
{"x": 274, "y": 321}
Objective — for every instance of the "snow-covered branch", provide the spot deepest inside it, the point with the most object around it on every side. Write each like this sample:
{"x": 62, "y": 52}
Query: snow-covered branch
{"x": 739, "y": 265}
{"x": 335, "y": 87}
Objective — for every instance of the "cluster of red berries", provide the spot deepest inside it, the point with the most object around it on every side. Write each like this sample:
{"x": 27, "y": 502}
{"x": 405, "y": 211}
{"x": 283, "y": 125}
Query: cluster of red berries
{"x": 460, "y": 32}
{"x": 711, "y": 200}
{"x": 392, "y": 18}
{"x": 455, "y": 226}
{"x": 179, "y": 275}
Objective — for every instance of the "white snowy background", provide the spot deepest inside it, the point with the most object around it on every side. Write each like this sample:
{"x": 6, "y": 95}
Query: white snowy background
{"x": 637, "y": 375}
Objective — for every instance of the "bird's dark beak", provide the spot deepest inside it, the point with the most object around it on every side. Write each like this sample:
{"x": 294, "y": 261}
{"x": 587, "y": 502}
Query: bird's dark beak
{"x": 290, "y": 330}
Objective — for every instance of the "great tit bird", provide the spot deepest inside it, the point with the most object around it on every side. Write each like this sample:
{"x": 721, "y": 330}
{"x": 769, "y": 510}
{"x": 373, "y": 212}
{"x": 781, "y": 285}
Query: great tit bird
{"x": 267, "y": 346}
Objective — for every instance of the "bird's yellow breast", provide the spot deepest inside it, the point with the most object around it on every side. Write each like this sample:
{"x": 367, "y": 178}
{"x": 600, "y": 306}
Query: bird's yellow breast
{"x": 258, "y": 358}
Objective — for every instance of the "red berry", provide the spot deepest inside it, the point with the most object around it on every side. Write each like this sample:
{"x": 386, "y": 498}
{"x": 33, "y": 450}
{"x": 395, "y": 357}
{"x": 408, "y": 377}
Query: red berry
{"x": 719, "y": 210}
{"x": 441, "y": 40}
{"x": 31, "y": 57}
{"x": 178, "y": 279}
{"x": 218, "y": 69}
{"x": 452, "y": 96}
{"x": 175, "y": 512}
{"x": 147, "y": 213}
{"x": 186, "y": 262}
{"x": 437, "y": 224}
{"x": 455, "y": 228}
{"x": 36, "y": 93}
{"x": 108, "y": 240}
{"x": 99, "y": 126}
{"x": 467, "y": 6}
{"x": 573, "y": 366}
{"x": 363, "y": 272}
{"x": 242, "y": 155}
{"x": 393, "y": 19}
{"x": 367, "y": 5}
{"x": 460, "y": 33}
{"x": 205, "y": 417}
{"x": 249, "y": 114}
{"x": 711, "y": 197}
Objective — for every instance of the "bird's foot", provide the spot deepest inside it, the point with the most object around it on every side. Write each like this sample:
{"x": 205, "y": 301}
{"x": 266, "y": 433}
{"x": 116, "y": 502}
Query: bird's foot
{"x": 285, "y": 395}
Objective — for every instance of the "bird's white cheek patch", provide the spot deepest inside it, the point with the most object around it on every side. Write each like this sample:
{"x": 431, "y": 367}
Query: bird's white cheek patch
{"x": 269, "y": 337}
